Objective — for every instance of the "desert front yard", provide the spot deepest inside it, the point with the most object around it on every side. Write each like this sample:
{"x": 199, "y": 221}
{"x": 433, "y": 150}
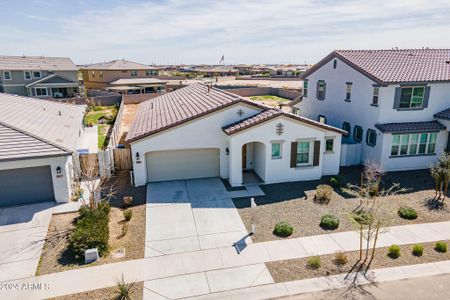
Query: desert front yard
{"x": 294, "y": 203}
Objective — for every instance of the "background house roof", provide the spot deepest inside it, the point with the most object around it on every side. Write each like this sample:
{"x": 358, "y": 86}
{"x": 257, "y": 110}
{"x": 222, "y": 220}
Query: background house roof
{"x": 52, "y": 79}
{"x": 127, "y": 81}
{"x": 410, "y": 127}
{"x": 19, "y": 63}
{"x": 395, "y": 66}
{"x": 52, "y": 122}
{"x": 121, "y": 64}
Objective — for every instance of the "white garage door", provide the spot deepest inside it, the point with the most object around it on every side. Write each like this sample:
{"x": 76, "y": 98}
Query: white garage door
{"x": 182, "y": 164}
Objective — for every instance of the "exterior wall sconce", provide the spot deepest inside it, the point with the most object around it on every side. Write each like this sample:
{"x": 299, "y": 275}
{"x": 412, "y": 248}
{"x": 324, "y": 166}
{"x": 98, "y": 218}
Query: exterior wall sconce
{"x": 227, "y": 150}
{"x": 138, "y": 158}
{"x": 59, "y": 172}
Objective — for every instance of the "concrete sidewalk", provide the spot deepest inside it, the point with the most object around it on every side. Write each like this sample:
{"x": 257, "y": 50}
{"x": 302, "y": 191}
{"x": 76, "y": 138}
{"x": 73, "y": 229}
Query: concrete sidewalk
{"x": 225, "y": 260}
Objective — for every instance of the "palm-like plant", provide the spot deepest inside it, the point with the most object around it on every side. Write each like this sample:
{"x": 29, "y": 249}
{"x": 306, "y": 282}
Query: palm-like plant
{"x": 124, "y": 290}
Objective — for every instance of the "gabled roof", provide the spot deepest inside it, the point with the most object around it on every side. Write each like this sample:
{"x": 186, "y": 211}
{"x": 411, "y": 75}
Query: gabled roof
{"x": 53, "y": 78}
{"x": 394, "y": 66}
{"x": 410, "y": 127}
{"x": 120, "y": 64}
{"x": 445, "y": 114}
{"x": 52, "y": 122}
{"x": 19, "y": 63}
{"x": 270, "y": 114}
{"x": 186, "y": 104}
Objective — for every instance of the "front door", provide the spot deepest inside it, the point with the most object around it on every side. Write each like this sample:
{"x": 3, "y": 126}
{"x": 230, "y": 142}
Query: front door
{"x": 244, "y": 157}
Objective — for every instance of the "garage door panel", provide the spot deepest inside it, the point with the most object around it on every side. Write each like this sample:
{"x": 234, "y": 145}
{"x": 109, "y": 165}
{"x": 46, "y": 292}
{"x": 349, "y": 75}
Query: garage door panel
{"x": 26, "y": 185}
{"x": 182, "y": 164}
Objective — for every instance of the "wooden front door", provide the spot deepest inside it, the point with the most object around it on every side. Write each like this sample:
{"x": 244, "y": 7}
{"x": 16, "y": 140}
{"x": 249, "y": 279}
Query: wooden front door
{"x": 244, "y": 157}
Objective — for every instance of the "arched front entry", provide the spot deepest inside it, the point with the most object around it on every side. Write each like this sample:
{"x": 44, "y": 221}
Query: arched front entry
{"x": 253, "y": 162}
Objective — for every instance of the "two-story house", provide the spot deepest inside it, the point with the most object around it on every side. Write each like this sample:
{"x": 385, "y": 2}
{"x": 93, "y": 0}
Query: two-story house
{"x": 102, "y": 75}
{"x": 394, "y": 103}
{"x": 38, "y": 76}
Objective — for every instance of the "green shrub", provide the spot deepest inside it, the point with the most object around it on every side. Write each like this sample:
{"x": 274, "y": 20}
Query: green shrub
{"x": 127, "y": 214}
{"x": 407, "y": 213}
{"x": 440, "y": 246}
{"x": 324, "y": 193}
{"x": 329, "y": 222}
{"x": 283, "y": 229}
{"x": 340, "y": 258}
{"x": 363, "y": 218}
{"x": 314, "y": 262}
{"x": 91, "y": 231}
{"x": 417, "y": 250}
{"x": 394, "y": 251}
{"x": 335, "y": 181}
{"x": 124, "y": 290}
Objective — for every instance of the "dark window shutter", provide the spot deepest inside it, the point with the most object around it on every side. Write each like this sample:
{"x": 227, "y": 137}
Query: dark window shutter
{"x": 316, "y": 153}
{"x": 293, "y": 154}
{"x": 324, "y": 90}
{"x": 317, "y": 90}
{"x": 426, "y": 96}
{"x": 398, "y": 92}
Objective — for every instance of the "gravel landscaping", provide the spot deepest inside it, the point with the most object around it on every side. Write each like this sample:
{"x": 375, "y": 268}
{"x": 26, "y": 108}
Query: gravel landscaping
{"x": 293, "y": 202}
{"x": 104, "y": 294}
{"x": 56, "y": 257}
{"x": 296, "y": 269}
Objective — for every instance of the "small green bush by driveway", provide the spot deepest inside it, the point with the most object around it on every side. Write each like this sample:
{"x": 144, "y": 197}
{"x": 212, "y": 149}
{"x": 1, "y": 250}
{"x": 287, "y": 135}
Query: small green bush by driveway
{"x": 91, "y": 231}
{"x": 417, "y": 250}
{"x": 314, "y": 262}
{"x": 394, "y": 251}
{"x": 441, "y": 247}
{"x": 283, "y": 229}
{"x": 329, "y": 222}
{"x": 407, "y": 213}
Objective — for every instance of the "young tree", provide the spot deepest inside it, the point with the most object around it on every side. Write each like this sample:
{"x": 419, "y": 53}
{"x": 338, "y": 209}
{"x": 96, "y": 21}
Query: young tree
{"x": 440, "y": 171}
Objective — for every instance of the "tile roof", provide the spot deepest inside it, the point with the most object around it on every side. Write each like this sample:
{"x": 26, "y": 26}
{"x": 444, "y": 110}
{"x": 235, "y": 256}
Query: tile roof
{"x": 19, "y": 63}
{"x": 395, "y": 66}
{"x": 188, "y": 103}
{"x": 54, "y": 123}
{"x": 126, "y": 81}
{"x": 410, "y": 127}
{"x": 53, "y": 78}
{"x": 445, "y": 114}
{"x": 120, "y": 64}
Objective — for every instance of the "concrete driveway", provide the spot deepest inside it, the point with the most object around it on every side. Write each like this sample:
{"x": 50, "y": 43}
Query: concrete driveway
{"x": 22, "y": 234}
{"x": 191, "y": 215}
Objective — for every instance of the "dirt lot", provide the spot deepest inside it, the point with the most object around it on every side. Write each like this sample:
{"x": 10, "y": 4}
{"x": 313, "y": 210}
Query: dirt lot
{"x": 293, "y": 202}
{"x": 104, "y": 294}
{"x": 129, "y": 113}
{"x": 296, "y": 269}
{"x": 55, "y": 255}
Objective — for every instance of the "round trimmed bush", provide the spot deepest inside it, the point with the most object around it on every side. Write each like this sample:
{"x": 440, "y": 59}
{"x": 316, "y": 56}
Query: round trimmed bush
{"x": 417, "y": 250}
{"x": 407, "y": 213}
{"x": 440, "y": 247}
{"x": 283, "y": 229}
{"x": 329, "y": 222}
{"x": 394, "y": 251}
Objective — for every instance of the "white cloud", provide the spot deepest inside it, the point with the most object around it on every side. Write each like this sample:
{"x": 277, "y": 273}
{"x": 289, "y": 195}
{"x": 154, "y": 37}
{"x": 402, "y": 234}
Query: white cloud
{"x": 189, "y": 31}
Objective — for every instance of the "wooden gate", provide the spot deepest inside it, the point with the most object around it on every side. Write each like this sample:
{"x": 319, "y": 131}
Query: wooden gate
{"x": 122, "y": 159}
{"x": 89, "y": 164}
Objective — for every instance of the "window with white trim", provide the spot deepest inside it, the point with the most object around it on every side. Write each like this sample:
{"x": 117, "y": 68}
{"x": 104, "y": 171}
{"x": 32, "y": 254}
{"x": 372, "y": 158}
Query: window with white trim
{"x": 7, "y": 75}
{"x": 276, "y": 150}
{"x": 134, "y": 73}
{"x": 329, "y": 145}
{"x": 321, "y": 90}
{"x": 412, "y": 97}
{"x": 322, "y": 119}
{"x": 27, "y": 75}
{"x": 100, "y": 74}
{"x": 413, "y": 144}
{"x": 40, "y": 91}
{"x": 37, "y": 74}
{"x": 305, "y": 88}
{"x": 376, "y": 93}
{"x": 357, "y": 133}
{"x": 371, "y": 138}
{"x": 348, "y": 91}
{"x": 303, "y": 153}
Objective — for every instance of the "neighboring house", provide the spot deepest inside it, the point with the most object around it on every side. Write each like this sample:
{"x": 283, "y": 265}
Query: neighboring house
{"x": 37, "y": 138}
{"x": 100, "y": 75}
{"x": 38, "y": 76}
{"x": 200, "y": 131}
{"x": 137, "y": 86}
{"x": 393, "y": 103}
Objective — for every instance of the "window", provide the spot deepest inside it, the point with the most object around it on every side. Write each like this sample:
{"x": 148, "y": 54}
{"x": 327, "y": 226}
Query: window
{"x": 376, "y": 92}
{"x": 347, "y": 127}
{"x": 134, "y": 73}
{"x": 322, "y": 119}
{"x": 413, "y": 144}
{"x": 296, "y": 111}
{"x": 41, "y": 91}
{"x": 358, "y": 133}
{"x": 321, "y": 90}
{"x": 276, "y": 150}
{"x": 27, "y": 75}
{"x": 412, "y": 97}
{"x": 93, "y": 74}
{"x": 371, "y": 137}
{"x": 335, "y": 64}
{"x": 305, "y": 88}
{"x": 100, "y": 74}
{"x": 7, "y": 75}
{"x": 303, "y": 151}
{"x": 329, "y": 145}
{"x": 348, "y": 92}
{"x": 37, "y": 74}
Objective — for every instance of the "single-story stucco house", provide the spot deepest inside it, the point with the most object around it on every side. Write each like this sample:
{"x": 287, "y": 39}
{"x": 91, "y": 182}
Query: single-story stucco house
{"x": 200, "y": 131}
{"x": 37, "y": 138}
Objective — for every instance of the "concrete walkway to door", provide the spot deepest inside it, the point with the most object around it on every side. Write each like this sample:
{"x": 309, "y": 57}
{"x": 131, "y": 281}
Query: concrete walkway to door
{"x": 191, "y": 215}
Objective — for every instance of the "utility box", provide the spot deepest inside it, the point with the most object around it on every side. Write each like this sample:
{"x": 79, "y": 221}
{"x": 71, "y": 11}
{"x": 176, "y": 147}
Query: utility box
{"x": 90, "y": 255}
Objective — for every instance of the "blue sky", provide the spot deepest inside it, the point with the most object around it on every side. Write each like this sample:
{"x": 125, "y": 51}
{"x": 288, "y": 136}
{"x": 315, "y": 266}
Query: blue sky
{"x": 197, "y": 31}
